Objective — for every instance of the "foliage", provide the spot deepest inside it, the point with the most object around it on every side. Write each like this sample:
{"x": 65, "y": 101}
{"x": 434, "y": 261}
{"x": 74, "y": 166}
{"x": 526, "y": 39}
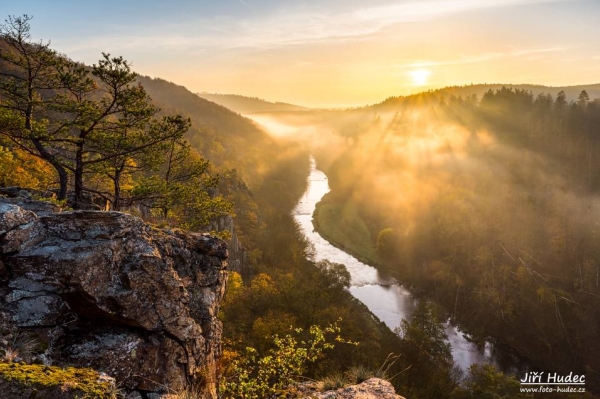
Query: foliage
{"x": 386, "y": 243}
{"x": 267, "y": 305}
{"x": 94, "y": 123}
{"x": 360, "y": 373}
{"x": 491, "y": 203}
{"x": 229, "y": 140}
{"x": 426, "y": 355}
{"x": 336, "y": 273}
{"x": 17, "y": 168}
{"x": 100, "y": 129}
{"x": 118, "y": 127}
{"x": 181, "y": 190}
{"x": 255, "y": 376}
{"x": 28, "y": 79}
{"x": 486, "y": 382}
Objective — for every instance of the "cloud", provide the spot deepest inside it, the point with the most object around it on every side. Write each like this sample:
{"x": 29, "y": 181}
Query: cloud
{"x": 292, "y": 27}
{"x": 424, "y": 10}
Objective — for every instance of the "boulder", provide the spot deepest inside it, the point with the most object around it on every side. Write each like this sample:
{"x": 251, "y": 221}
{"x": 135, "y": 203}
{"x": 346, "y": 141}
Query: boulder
{"x": 107, "y": 291}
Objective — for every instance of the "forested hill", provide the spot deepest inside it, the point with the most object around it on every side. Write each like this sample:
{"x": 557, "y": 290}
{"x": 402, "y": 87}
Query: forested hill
{"x": 226, "y": 138}
{"x": 213, "y": 114}
{"x": 487, "y": 205}
{"x": 249, "y": 105}
{"x": 572, "y": 92}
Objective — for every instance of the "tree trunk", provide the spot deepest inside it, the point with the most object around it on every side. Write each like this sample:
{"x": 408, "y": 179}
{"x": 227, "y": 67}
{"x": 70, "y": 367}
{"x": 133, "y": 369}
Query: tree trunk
{"x": 79, "y": 202}
{"x": 117, "y": 197}
{"x": 63, "y": 178}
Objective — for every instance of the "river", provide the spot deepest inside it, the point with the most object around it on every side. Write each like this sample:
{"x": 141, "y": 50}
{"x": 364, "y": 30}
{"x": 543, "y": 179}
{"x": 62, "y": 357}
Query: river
{"x": 383, "y": 295}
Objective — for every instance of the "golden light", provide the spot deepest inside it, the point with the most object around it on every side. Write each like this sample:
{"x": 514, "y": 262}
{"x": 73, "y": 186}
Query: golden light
{"x": 420, "y": 76}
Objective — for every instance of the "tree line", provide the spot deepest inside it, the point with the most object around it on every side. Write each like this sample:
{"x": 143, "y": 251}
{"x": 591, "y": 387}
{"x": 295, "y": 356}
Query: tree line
{"x": 487, "y": 207}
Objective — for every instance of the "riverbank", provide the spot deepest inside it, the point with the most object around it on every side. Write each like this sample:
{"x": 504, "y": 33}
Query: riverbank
{"x": 325, "y": 223}
{"x": 378, "y": 291}
{"x": 326, "y": 220}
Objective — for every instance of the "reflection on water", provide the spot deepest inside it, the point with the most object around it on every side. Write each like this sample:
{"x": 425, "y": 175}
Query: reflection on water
{"x": 383, "y": 295}
{"x": 390, "y": 303}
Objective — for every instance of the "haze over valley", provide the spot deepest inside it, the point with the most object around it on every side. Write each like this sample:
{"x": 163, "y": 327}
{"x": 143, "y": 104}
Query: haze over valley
{"x": 408, "y": 191}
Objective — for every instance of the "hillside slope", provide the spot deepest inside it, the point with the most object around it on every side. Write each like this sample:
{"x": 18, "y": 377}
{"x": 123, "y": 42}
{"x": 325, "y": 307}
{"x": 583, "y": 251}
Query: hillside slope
{"x": 249, "y": 105}
{"x": 227, "y": 139}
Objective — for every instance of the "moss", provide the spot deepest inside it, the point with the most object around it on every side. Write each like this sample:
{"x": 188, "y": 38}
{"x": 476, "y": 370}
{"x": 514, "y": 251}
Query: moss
{"x": 82, "y": 383}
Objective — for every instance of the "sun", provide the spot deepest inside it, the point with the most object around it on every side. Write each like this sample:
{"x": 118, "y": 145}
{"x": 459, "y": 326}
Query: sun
{"x": 420, "y": 76}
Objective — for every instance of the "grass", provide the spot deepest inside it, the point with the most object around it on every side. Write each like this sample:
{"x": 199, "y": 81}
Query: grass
{"x": 334, "y": 381}
{"x": 21, "y": 346}
{"x": 354, "y": 375}
{"x": 359, "y": 373}
{"x": 342, "y": 225}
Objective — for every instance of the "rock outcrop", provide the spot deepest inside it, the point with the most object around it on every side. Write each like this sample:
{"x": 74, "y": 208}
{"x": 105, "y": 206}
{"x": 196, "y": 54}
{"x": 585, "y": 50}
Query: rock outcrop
{"x": 107, "y": 291}
{"x": 373, "y": 388}
{"x": 238, "y": 258}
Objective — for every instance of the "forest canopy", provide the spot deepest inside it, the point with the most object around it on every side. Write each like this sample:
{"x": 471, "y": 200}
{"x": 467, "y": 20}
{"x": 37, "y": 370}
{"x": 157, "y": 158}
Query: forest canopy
{"x": 487, "y": 206}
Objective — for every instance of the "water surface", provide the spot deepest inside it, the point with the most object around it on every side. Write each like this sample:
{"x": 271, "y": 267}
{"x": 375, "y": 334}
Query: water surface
{"x": 382, "y": 294}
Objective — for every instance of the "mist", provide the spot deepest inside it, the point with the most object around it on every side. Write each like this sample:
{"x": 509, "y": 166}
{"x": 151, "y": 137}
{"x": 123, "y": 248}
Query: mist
{"x": 492, "y": 204}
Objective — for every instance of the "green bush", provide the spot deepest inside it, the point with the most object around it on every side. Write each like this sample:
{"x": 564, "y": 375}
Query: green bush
{"x": 255, "y": 376}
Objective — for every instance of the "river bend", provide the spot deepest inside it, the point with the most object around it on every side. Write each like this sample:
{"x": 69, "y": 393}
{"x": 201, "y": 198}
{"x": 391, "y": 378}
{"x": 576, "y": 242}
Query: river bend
{"x": 383, "y": 295}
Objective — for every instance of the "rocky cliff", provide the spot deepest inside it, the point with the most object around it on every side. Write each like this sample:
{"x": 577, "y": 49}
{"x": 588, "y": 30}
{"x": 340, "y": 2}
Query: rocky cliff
{"x": 105, "y": 290}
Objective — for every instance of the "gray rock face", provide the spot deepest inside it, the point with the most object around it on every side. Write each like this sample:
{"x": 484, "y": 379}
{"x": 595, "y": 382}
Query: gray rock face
{"x": 107, "y": 291}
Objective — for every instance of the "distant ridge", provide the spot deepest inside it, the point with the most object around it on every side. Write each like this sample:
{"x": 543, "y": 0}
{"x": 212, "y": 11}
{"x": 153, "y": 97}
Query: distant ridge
{"x": 572, "y": 92}
{"x": 249, "y": 105}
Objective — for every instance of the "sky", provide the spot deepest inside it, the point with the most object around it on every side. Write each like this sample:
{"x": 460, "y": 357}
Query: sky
{"x": 329, "y": 53}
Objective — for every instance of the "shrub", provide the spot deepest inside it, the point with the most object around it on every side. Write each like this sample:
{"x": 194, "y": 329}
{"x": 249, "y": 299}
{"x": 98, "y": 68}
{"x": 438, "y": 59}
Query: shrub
{"x": 252, "y": 376}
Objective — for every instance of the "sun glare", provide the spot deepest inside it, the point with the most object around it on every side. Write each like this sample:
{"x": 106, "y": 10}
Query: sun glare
{"x": 420, "y": 76}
